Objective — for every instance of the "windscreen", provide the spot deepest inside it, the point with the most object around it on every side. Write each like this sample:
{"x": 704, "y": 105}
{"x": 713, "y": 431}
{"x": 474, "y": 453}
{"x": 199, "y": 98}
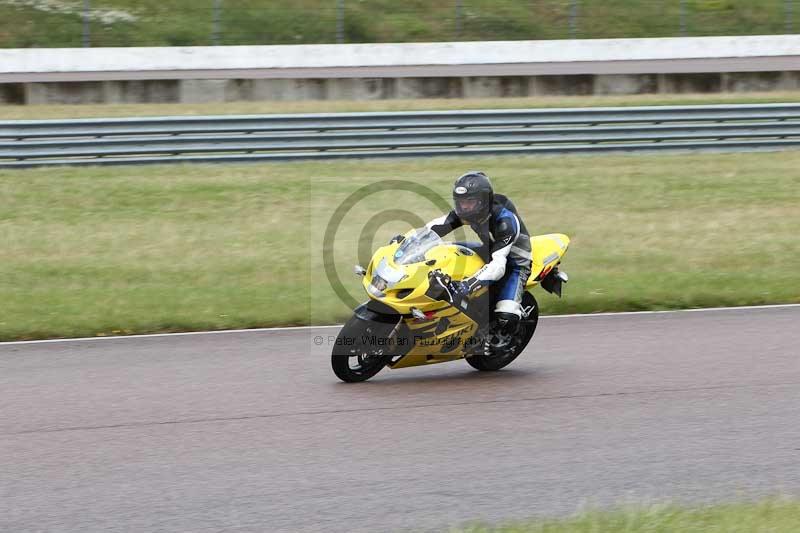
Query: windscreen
{"x": 413, "y": 248}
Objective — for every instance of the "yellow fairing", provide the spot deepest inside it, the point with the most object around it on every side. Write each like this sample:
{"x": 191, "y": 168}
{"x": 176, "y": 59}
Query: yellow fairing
{"x": 456, "y": 261}
{"x": 432, "y": 342}
{"x": 546, "y": 253}
{"x": 430, "y": 347}
{"x": 442, "y": 335}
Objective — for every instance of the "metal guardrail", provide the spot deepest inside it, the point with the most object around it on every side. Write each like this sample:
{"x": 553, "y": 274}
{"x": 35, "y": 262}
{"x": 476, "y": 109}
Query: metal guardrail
{"x": 409, "y": 134}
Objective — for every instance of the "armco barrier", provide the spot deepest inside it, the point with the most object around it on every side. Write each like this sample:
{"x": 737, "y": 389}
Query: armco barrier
{"x": 409, "y": 134}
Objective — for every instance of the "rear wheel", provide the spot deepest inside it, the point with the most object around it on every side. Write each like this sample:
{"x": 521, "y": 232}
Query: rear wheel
{"x": 359, "y": 353}
{"x": 501, "y": 350}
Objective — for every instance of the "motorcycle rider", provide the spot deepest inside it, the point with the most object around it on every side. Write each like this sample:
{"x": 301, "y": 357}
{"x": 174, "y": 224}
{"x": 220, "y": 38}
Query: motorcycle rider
{"x": 505, "y": 242}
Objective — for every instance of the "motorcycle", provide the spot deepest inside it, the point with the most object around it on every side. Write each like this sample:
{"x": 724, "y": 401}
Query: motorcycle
{"x": 414, "y": 317}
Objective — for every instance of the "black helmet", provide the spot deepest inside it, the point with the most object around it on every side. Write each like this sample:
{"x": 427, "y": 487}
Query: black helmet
{"x": 473, "y": 196}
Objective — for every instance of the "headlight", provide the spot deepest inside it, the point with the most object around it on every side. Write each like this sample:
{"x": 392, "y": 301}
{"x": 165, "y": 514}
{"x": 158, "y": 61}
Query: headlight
{"x": 384, "y": 277}
{"x": 379, "y": 283}
{"x": 377, "y": 286}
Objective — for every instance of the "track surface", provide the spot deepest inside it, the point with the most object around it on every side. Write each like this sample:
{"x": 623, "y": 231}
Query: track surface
{"x": 251, "y": 431}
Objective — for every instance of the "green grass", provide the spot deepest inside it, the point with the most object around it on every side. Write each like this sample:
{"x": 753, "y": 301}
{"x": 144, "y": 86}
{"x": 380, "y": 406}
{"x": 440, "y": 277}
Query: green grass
{"x": 771, "y": 516}
{"x": 187, "y": 22}
{"x": 33, "y": 112}
{"x": 166, "y": 248}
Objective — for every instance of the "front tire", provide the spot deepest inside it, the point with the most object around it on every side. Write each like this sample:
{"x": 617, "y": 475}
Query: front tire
{"x": 354, "y": 358}
{"x": 492, "y": 361}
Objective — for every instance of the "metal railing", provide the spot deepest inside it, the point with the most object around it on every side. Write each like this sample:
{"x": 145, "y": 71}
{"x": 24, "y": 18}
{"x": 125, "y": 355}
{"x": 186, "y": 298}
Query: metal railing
{"x": 397, "y": 134}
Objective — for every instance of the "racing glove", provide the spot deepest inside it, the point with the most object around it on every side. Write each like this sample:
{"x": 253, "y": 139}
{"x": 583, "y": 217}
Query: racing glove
{"x": 465, "y": 287}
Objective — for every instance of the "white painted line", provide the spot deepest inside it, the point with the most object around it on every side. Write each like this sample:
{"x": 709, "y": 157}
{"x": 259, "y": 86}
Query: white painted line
{"x": 181, "y": 334}
{"x": 670, "y": 311}
{"x": 301, "y": 328}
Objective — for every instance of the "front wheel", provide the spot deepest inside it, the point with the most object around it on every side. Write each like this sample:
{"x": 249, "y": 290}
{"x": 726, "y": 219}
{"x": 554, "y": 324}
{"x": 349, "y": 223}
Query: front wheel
{"x": 358, "y": 353}
{"x": 497, "y": 356}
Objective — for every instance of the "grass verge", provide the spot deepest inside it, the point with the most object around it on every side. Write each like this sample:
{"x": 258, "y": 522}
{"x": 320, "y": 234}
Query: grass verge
{"x": 32, "y": 112}
{"x": 100, "y": 251}
{"x": 187, "y": 22}
{"x": 771, "y": 516}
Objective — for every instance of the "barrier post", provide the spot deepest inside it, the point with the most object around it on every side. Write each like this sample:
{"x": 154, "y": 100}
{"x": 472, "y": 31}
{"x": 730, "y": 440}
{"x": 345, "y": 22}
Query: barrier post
{"x": 87, "y": 36}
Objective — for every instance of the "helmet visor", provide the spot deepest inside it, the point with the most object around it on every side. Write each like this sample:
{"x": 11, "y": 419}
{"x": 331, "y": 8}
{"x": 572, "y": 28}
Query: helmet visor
{"x": 467, "y": 206}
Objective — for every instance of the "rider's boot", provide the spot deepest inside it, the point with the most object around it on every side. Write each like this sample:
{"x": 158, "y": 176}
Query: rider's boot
{"x": 507, "y": 323}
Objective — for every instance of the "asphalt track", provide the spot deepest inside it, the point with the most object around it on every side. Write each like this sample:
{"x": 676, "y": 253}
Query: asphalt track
{"x": 252, "y": 432}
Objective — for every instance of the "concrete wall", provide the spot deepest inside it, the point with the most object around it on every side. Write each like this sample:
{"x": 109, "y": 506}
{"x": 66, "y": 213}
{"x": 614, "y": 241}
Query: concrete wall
{"x": 411, "y": 70}
{"x": 205, "y": 91}
{"x": 590, "y": 55}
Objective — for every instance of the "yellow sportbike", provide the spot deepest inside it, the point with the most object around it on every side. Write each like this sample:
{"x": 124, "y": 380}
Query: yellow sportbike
{"x": 414, "y": 317}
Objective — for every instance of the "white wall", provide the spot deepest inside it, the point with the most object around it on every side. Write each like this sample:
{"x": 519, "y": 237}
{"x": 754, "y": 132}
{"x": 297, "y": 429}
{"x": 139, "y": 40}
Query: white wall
{"x": 509, "y": 53}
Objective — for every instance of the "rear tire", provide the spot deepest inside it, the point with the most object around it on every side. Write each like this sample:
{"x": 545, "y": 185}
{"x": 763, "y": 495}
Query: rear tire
{"x": 527, "y": 327}
{"x": 353, "y": 359}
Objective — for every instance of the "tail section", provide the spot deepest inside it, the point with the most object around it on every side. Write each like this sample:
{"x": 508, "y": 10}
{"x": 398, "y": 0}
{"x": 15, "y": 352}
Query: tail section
{"x": 546, "y": 253}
